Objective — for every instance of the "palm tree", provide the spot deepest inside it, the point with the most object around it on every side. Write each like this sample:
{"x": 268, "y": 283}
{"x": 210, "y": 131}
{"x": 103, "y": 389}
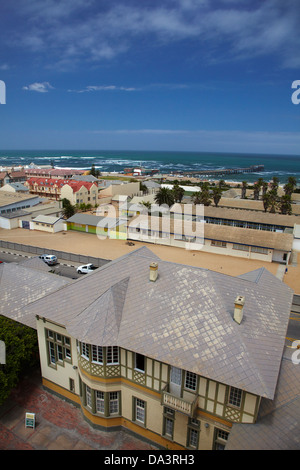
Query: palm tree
{"x": 67, "y": 208}
{"x": 244, "y": 189}
{"x": 266, "y": 201}
{"x": 273, "y": 200}
{"x": 217, "y": 194}
{"x": 201, "y": 197}
{"x": 256, "y": 191}
{"x": 264, "y": 188}
{"x": 196, "y": 197}
{"x": 290, "y": 186}
{"x": 164, "y": 196}
{"x": 285, "y": 204}
{"x": 178, "y": 192}
{"x": 275, "y": 184}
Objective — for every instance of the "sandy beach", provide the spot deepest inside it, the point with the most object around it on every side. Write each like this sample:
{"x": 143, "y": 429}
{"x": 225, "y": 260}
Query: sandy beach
{"x": 89, "y": 244}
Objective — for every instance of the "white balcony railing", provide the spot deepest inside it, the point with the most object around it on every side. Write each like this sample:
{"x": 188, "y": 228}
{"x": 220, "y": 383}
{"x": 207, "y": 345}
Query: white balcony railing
{"x": 178, "y": 404}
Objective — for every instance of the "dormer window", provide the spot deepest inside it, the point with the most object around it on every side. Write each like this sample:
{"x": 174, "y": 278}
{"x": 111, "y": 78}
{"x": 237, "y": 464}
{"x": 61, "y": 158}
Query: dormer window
{"x": 235, "y": 397}
{"x": 140, "y": 362}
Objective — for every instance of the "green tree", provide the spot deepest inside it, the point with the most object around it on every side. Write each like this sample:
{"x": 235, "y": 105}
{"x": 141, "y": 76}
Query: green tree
{"x": 201, "y": 197}
{"x": 285, "y": 204}
{"x": 273, "y": 200}
{"x": 274, "y": 185}
{"x": 21, "y": 353}
{"x": 266, "y": 201}
{"x": 290, "y": 186}
{"x": 244, "y": 189}
{"x": 164, "y": 196}
{"x": 178, "y": 192}
{"x": 264, "y": 188}
{"x": 94, "y": 172}
{"x": 256, "y": 191}
{"x": 67, "y": 208}
{"x": 216, "y": 194}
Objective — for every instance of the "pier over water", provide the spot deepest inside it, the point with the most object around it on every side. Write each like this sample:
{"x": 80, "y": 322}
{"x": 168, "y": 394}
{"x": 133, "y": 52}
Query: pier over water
{"x": 221, "y": 171}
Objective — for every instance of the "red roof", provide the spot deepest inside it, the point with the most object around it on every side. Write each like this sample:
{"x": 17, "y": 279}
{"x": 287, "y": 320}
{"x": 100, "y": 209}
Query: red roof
{"x": 77, "y": 185}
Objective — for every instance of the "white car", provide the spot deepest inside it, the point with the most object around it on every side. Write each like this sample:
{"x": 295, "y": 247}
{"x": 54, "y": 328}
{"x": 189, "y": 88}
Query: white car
{"x": 86, "y": 268}
{"x": 49, "y": 259}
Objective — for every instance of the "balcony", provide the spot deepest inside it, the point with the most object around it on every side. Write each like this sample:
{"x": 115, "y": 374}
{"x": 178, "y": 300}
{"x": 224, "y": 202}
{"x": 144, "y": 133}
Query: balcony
{"x": 184, "y": 406}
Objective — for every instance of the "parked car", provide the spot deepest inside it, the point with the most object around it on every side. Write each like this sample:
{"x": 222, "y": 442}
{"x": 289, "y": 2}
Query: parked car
{"x": 86, "y": 268}
{"x": 49, "y": 259}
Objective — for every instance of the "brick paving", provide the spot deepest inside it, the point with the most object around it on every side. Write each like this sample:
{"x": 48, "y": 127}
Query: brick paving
{"x": 59, "y": 424}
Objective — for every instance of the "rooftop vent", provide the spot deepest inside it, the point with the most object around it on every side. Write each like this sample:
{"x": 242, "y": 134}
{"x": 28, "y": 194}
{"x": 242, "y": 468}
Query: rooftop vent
{"x": 153, "y": 272}
{"x": 238, "y": 308}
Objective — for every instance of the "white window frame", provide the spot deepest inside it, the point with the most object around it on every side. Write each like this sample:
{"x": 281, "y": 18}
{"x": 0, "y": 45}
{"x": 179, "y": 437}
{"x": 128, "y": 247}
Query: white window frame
{"x": 113, "y": 353}
{"x": 140, "y": 410}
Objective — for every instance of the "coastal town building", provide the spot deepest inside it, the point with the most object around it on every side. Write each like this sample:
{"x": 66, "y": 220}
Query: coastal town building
{"x": 11, "y": 201}
{"x": 110, "y": 188}
{"x": 212, "y": 238}
{"x": 173, "y": 353}
{"x": 77, "y": 192}
{"x": 63, "y": 173}
{"x": 47, "y": 223}
{"x": 15, "y": 188}
{"x": 102, "y": 226}
{"x": 12, "y": 176}
{"x": 80, "y": 192}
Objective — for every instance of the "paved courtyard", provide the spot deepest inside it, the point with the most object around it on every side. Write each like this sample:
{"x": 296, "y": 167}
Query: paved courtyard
{"x": 59, "y": 424}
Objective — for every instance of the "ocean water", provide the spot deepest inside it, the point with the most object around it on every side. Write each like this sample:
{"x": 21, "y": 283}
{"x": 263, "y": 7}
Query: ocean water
{"x": 281, "y": 166}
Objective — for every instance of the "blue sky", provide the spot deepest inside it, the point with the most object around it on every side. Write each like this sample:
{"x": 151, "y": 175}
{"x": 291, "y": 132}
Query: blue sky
{"x": 195, "y": 75}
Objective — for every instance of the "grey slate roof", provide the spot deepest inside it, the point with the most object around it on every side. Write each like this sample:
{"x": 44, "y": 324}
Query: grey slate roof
{"x": 278, "y": 423}
{"x": 185, "y": 318}
{"x": 20, "y": 286}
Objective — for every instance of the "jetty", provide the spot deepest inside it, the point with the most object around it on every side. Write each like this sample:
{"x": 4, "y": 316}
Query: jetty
{"x": 221, "y": 171}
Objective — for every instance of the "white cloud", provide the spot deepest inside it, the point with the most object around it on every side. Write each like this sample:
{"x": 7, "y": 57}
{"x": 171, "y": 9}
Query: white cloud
{"x": 230, "y": 29}
{"x": 43, "y": 87}
{"x": 91, "y": 88}
{"x": 4, "y": 67}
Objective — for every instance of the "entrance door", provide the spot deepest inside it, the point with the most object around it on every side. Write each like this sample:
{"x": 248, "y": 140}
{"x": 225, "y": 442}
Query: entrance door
{"x": 175, "y": 381}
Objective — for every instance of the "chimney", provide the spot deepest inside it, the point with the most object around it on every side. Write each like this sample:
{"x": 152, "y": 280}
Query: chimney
{"x": 238, "y": 308}
{"x": 153, "y": 272}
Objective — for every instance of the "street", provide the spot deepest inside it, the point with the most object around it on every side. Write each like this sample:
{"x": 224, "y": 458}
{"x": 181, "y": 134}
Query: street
{"x": 60, "y": 268}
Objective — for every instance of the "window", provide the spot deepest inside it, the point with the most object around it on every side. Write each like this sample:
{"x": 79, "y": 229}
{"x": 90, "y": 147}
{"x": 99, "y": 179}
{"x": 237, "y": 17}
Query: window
{"x": 238, "y": 246}
{"x": 112, "y": 355}
{"x": 88, "y": 396}
{"x": 97, "y": 354}
{"x": 85, "y": 350}
{"x": 168, "y": 422}
{"x": 52, "y": 353}
{"x": 221, "y": 438}
{"x": 113, "y": 403}
{"x": 190, "y": 380}
{"x": 140, "y": 406}
{"x": 235, "y": 397}
{"x": 71, "y": 385}
{"x": 140, "y": 362}
{"x": 259, "y": 249}
{"x": 218, "y": 243}
{"x": 193, "y": 433}
{"x": 59, "y": 347}
{"x": 100, "y": 402}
